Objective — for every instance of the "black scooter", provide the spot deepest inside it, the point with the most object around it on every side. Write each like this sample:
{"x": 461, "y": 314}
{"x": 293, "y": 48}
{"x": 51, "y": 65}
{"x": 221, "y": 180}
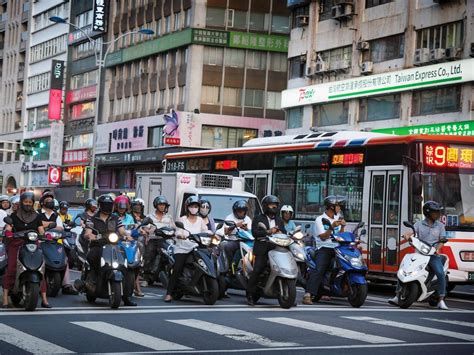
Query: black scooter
{"x": 55, "y": 260}
{"x": 69, "y": 242}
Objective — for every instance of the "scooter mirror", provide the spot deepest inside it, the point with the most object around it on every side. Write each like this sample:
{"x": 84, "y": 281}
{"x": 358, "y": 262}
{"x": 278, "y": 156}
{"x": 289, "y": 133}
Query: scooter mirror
{"x": 219, "y": 226}
{"x": 360, "y": 225}
{"x": 363, "y": 232}
{"x": 229, "y": 223}
{"x": 408, "y": 224}
{"x": 52, "y": 225}
{"x": 326, "y": 222}
{"x": 179, "y": 224}
{"x": 146, "y": 220}
{"x": 8, "y": 220}
{"x": 443, "y": 240}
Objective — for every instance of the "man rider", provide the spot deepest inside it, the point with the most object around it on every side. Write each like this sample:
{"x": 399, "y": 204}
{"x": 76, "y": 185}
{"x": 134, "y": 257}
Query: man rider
{"x": 431, "y": 230}
{"x": 273, "y": 224}
{"x": 104, "y": 222}
{"x": 325, "y": 247}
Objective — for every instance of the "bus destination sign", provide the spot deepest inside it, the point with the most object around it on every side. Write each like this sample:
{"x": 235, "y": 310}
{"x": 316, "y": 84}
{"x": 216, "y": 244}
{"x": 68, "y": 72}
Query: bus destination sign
{"x": 449, "y": 156}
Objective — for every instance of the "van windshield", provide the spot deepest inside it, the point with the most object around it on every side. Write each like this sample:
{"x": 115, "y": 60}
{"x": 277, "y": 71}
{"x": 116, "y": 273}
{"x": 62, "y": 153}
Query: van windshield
{"x": 222, "y": 205}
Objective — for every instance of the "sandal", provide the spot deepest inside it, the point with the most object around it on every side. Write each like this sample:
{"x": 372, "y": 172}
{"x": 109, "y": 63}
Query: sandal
{"x": 138, "y": 294}
{"x": 168, "y": 298}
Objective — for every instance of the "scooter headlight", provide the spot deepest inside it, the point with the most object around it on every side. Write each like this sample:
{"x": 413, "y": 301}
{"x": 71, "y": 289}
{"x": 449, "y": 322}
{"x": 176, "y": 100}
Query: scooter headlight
{"x": 425, "y": 249}
{"x": 32, "y": 236}
{"x": 281, "y": 241}
{"x": 113, "y": 238}
{"x": 115, "y": 264}
{"x": 206, "y": 241}
{"x": 298, "y": 235}
{"x": 215, "y": 240}
{"x": 357, "y": 262}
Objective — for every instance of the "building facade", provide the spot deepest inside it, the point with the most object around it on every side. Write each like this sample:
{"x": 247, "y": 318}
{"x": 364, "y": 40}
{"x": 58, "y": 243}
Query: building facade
{"x": 14, "y": 20}
{"x": 379, "y": 65}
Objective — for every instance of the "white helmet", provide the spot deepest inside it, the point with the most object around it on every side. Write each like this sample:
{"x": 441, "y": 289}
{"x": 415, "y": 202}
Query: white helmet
{"x": 286, "y": 208}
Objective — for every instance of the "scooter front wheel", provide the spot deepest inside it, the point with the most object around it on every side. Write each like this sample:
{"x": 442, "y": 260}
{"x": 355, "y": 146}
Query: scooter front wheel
{"x": 31, "y": 294}
{"x": 211, "y": 291}
{"x": 53, "y": 282}
{"x": 408, "y": 294}
{"x": 357, "y": 295}
{"x": 115, "y": 296}
{"x": 287, "y": 292}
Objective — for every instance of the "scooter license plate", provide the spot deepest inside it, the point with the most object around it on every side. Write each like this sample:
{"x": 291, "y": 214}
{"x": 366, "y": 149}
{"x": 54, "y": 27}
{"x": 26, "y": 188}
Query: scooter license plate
{"x": 470, "y": 276}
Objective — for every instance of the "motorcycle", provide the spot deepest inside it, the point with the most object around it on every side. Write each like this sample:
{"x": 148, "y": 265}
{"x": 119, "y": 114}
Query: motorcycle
{"x": 110, "y": 283}
{"x": 297, "y": 249}
{"x": 220, "y": 261}
{"x": 346, "y": 276}
{"x": 55, "y": 261}
{"x": 69, "y": 242}
{"x": 417, "y": 282}
{"x": 279, "y": 279}
{"x": 199, "y": 277}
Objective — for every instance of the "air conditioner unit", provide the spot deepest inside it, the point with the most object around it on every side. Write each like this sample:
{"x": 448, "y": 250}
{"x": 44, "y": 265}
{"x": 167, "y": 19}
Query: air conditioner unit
{"x": 342, "y": 11}
{"x": 453, "y": 53}
{"x": 437, "y": 54}
{"x": 363, "y": 45}
{"x": 321, "y": 67}
{"x": 340, "y": 65}
{"x": 302, "y": 20}
{"x": 310, "y": 70}
{"x": 367, "y": 67}
{"x": 422, "y": 55}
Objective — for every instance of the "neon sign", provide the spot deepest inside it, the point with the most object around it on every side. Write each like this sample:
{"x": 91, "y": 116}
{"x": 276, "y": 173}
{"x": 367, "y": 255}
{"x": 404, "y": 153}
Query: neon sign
{"x": 348, "y": 159}
{"x": 226, "y": 164}
{"x": 444, "y": 156}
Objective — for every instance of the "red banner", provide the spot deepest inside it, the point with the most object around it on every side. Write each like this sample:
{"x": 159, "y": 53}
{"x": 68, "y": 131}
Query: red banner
{"x": 54, "y": 108}
{"x": 76, "y": 156}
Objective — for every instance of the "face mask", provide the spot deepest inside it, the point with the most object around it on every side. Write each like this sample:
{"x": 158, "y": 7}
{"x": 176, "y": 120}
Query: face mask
{"x": 49, "y": 205}
{"x": 26, "y": 208}
{"x": 204, "y": 212}
{"x": 107, "y": 209}
{"x": 193, "y": 210}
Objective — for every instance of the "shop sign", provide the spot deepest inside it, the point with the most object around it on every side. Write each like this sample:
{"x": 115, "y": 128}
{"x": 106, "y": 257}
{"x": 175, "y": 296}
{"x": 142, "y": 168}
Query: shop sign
{"x": 80, "y": 35}
{"x": 379, "y": 84}
{"x": 449, "y": 156}
{"x": 98, "y": 16}
{"x": 54, "y": 175}
{"x": 84, "y": 94}
{"x": 76, "y": 156}
{"x": 462, "y": 128}
{"x": 210, "y": 37}
{"x": 56, "y": 90}
{"x": 56, "y": 144}
{"x": 261, "y": 42}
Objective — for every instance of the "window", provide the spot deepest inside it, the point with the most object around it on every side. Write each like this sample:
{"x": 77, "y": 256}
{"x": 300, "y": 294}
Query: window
{"x": 225, "y": 137}
{"x": 181, "y": 90}
{"x": 80, "y": 141}
{"x": 295, "y": 117}
{"x": 38, "y": 83}
{"x": 215, "y": 17}
{"x": 253, "y": 98}
{"x": 37, "y": 118}
{"x": 387, "y": 48}
{"x": 187, "y": 18}
{"x": 278, "y": 62}
{"x": 435, "y": 101}
{"x": 379, "y": 108}
{"x": 237, "y": 19}
{"x": 348, "y": 182}
{"x": 297, "y": 67}
{"x": 273, "y": 100}
{"x": 280, "y": 24}
{"x": 310, "y": 192}
{"x": 155, "y": 137}
{"x": 259, "y": 21}
{"x": 234, "y": 58}
{"x": 337, "y": 58}
{"x": 256, "y": 60}
{"x": 167, "y": 24}
{"x": 325, "y": 9}
{"x": 82, "y": 110}
{"x": 159, "y": 27}
{"x": 444, "y": 36}
{"x": 299, "y": 11}
{"x": 232, "y": 97}
{"x": 284, "y": 186}
{"x": 171, "y": 98}
{"x": 41, "y": 21}
{"x": 177, "y": 21}
{"x": 162, "y": 99}
{"x": 213, "y": 56}
{"x": 48, "y": 48}
{"x": 85, "y": 49}
{"x": 83, "y": 80}
{"x": 84, "y": 19}
{"x": 372, "y": 3}
{"x": 210, "y": 95}
{"x": 333, "y": 113}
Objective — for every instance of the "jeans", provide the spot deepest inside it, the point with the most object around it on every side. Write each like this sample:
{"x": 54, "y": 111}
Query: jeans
{"x": 323, "y": 261}
{"x": 436, "y": 264}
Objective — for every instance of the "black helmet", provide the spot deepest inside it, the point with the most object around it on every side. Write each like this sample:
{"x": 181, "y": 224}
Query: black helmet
{"x": 106, "y": 203}
{"x": 203, "y": 211}
{"x": 160, "y": 200}
{"x": 240, "y": 205}
{"x": 64, "y": 204}
{"x": 267, "y": 200}
{"x": 27, "y": 195}
{"x": 431, "y": 206}
{"x": 330, "y": 202}
{"x": 45, "y": 195}
{"x": 90, "y": 202}
{"x": 190, "y": 201}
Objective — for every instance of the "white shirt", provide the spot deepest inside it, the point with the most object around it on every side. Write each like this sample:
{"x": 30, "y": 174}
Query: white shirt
{"x": 320, "y": 229}
{"x": 183, "y": 246}
{"x": 59, "y": 221}
{"x": 3, "y": 214}
{"x": 231, "y": 217}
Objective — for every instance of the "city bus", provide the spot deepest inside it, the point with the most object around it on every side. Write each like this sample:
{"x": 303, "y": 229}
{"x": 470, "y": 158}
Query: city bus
{"x": 385, "y": 180}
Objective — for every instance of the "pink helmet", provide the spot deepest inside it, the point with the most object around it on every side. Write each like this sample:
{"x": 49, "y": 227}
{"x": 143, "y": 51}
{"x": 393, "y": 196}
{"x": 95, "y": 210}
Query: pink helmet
{"x": 122, "y": 201}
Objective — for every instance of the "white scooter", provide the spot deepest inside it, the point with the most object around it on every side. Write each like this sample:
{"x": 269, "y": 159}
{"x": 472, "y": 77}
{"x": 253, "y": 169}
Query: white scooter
{"x": 416, "y": 281}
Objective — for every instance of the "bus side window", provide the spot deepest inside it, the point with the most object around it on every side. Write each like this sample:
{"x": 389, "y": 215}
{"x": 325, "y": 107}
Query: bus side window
{"x": 416, "y": 191}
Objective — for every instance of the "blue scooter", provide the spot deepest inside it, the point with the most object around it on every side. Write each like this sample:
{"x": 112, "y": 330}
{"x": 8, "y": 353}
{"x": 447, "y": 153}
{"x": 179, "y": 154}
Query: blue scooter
{"x": 55, "y": 259}
{"x": 346, "y": 276}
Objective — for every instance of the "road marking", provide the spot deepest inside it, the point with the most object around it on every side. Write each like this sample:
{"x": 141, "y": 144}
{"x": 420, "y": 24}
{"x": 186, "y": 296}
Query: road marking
{"x": 231, "y": 333}
{"x": 335, "y": 331}
{"x": 132, "y": 336}
{"x": 455, "y": 322}
{"x": 417, "y": 328}
{"x": 28, "y": 342}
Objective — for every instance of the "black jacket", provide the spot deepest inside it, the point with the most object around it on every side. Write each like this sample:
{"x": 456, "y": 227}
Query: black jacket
{"x": 261, "y": 245}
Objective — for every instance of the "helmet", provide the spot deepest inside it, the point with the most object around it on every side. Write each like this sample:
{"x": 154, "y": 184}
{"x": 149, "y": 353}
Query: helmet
{"x": 4, "y": 198}
{"x": 240, "y": 205}
{"x": 64, "y": 204}
{"x": 160, "y": 200}
{"x": 90, "y": 202}
{"x": 27, "y": 195}
{"x": 15, "y": 199}
{"x": 191, "y": 200}
{"x": 205, "y": 207}
{"x": 267, "y": 200}
{"x": 286, "y": 208}
{"x": 45, "y": 195}
{"x": 431, "y": 206}
{"x": 330, "y": 202}
{"x": 138, "y": 202}
{"x": 106, "y": 203}
{"x": 341, "y": 201}
{"x": 122, "y": 201}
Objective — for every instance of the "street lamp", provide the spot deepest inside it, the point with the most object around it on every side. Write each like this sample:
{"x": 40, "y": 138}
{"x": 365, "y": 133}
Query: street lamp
{"x": 100, "y": 63}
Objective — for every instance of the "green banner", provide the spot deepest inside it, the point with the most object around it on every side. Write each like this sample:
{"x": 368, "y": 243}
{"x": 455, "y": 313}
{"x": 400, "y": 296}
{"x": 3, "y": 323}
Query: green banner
{"x": 210, "y": 37}
{"x": 462, "y": 128}
{"x": 261, "y": 42}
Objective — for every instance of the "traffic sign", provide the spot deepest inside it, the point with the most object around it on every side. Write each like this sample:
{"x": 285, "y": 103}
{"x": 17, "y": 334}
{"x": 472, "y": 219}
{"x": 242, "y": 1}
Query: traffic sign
{"x": 54, "y": 175}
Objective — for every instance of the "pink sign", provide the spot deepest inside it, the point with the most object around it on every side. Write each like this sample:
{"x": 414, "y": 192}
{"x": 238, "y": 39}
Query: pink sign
{"x": 76, "y": 156}
{"x": 82, "y": 94}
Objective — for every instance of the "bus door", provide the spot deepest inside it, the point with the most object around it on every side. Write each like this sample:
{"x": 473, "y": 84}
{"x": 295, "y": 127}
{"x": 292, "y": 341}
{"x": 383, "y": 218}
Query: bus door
{"x": 257, "y": 182}
{"x": 385, "y": 216}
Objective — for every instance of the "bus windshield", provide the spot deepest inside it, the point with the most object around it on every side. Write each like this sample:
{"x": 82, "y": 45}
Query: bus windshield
{"x": 455, "y": 191}
{"x": 222, "y": 205}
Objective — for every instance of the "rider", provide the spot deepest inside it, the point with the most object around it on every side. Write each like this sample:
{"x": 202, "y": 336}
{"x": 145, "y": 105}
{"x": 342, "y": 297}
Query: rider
{"x": 122, "y": 205}
{"x": 15, "y": 204}
{"x": 286, "y": 213}
{"x": 204, "y": 212}
{"x": 63, "y": 214}
{"x": 104, "y": 222}
{"x": 24, "y": 219}
{"x": 242, "y": 220}
{"x": 431, "y": 230}
{"x": 183, "y": 247}
{"x": 137, "y": 207}
{"x": 4, "y": 207}
{"x": 261, "y": 247}
{"x": 325, "y": 246}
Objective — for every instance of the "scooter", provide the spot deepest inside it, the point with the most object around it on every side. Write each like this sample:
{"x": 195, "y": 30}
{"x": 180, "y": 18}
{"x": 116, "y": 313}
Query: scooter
{"x": 297, "y": 249}
{"x": 55, "y": 260}
{"x": 416, "y": 281}
{"x": 199, "y": 277}
{"x": 221, "y": 262}
{"x": 110, "y": 283}
{"x": 346, "y": 276}
{"x": 279, "y": 279}
{"x": 69, "y": 242}
{"x": 3, "y": 256}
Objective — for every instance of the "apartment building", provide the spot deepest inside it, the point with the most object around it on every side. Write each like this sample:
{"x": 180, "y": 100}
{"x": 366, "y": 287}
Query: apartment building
{"x": 381, "y": 65}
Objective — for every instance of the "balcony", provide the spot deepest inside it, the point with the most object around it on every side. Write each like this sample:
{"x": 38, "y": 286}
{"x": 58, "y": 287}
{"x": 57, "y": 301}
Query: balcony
{"x": 21, "y": 73}
{"x": 3, "y": 2}
{"x": 26, "y": 12}
{"x": 2, "y": 25}
{"x": 22, "y": 46}
{"x": 18, "y": 104}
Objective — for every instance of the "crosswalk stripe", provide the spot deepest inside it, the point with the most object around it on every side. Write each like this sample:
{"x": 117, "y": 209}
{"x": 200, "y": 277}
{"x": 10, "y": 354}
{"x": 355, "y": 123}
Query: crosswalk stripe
{"x": 132, "y": 336}
{"x": 455, "y": 322}
{"x": 231, "y": 333}
{"x": 28, "y": 342}
{"x": 417, "y": 328}
{"x": 336, "y": 331}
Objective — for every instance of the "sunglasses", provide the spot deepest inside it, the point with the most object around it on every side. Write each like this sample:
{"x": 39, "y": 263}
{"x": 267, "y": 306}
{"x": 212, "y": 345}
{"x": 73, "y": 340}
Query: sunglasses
{"x": 205, "y": 207}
